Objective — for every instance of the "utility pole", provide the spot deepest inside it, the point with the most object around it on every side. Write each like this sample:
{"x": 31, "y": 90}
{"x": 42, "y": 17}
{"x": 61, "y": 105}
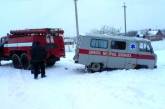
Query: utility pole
{"x": 77, "y": 31}
{"x": 76, "y": 16}
{"x": 125, "y": 19}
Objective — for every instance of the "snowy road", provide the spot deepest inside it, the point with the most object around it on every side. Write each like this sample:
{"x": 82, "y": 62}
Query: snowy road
{"x": 68, "y": 86}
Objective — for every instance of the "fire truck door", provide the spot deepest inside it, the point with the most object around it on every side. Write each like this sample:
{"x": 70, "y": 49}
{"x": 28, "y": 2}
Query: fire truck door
{"x": 116, "y": 52}
{"x": 130, "y": 58}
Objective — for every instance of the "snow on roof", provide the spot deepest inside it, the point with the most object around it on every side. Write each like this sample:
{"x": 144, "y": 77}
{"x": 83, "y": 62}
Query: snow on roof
{"x": 142, "y": 33}
{"x": 152, "y": 32}
{"x": 117, "y": 37}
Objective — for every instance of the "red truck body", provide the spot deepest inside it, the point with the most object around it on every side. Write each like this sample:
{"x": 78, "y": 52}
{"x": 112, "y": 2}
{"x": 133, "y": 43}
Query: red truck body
{"x": 17, "y": 45}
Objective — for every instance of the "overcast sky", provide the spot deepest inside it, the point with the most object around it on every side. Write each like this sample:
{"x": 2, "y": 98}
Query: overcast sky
{"x": 21, "y": 14}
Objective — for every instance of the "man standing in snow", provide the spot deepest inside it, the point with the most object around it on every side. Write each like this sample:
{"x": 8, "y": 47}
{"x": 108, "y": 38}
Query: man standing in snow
{"x": 38, "y": 55}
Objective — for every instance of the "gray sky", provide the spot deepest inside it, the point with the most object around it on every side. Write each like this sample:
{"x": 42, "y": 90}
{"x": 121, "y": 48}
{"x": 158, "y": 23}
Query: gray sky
{"x": 21, "y": 14}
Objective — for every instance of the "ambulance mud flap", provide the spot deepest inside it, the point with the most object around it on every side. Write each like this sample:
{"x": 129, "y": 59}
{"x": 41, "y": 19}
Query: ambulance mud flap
{"x": 141, "y": 67}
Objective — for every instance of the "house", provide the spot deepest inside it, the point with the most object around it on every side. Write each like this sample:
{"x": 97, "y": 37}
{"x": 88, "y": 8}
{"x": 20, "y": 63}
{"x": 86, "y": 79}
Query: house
{"x": 153, "y": 35}
{"x": 163, "y": 32}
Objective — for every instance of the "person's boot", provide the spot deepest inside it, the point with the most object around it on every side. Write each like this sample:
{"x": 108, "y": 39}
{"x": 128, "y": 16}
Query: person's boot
{"x": 43, "y": 76}
{"x": 35, "y": 76}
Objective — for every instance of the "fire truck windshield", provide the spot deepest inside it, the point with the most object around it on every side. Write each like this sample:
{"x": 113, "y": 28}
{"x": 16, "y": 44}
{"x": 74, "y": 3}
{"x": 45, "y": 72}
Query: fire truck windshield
{"x": 3, "y": 40}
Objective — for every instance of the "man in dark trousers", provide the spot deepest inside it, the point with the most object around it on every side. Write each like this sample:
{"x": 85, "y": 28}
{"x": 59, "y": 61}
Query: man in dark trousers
{"x": 38, "y": 54}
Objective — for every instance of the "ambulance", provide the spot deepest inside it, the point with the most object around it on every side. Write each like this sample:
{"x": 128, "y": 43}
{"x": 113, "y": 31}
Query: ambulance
{"x": 98, "y": 52}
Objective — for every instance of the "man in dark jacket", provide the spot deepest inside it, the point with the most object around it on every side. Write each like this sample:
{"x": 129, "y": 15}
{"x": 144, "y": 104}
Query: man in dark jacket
{"x": 38, "y": 55}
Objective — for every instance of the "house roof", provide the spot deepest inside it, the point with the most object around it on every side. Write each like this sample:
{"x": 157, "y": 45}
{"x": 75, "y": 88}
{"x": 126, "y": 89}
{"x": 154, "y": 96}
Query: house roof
{"x": 152, "y": 32}
{"x": 142, "y": 33}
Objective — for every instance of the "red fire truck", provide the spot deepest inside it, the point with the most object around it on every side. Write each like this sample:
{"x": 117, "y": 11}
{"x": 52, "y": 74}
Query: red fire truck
{"x": 17, "y": 45}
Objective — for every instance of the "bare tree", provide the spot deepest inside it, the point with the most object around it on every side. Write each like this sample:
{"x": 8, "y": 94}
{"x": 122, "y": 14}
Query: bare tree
{"x": 106, "y": 30}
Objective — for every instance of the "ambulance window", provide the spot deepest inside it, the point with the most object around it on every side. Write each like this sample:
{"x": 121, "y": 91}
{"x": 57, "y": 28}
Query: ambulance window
{"x": 94, "y": 43}
{"x": 103, "y": 44}
{"x": 144, "y": 47}
{"x": 120, "y": 45}
{"x": 99, "y": 43}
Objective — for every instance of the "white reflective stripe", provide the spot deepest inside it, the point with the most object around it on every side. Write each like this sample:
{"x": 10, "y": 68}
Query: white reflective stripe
{"x": 26, "y": 44}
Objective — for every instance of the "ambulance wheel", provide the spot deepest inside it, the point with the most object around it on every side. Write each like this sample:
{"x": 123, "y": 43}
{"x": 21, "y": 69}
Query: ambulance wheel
{"x": 16, "y": 61}
{"x": 95, "y": 67}
{"x": 25, "y": 61}
{"x": 51, "y": 61}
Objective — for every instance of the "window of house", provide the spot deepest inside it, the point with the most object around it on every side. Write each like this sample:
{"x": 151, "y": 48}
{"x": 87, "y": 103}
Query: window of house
{"x": 120, "y": 45}
{"x": 144, "y": 47}
{"x": 99, "y": 43}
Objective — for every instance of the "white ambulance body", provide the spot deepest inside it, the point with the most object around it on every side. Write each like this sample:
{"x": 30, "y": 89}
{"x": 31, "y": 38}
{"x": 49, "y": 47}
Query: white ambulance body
{"x": 97, "y": 52}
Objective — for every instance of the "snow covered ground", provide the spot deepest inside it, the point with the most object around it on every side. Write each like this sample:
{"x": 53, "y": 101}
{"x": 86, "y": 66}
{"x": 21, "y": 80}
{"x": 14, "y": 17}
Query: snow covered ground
{"x": 68, "y": 86}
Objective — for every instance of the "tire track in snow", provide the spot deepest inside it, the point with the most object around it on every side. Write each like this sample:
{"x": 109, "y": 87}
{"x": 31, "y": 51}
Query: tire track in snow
{"x": 17, "y": 85}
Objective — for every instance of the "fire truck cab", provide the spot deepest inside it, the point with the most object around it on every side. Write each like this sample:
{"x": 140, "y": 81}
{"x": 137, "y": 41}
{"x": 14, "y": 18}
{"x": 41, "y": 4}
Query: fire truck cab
{"x": 17, "y": 45}
{"x": 97, "y": 52}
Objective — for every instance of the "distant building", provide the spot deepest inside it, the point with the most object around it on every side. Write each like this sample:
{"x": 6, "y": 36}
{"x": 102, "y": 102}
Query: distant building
{"x": 69, "y": 40}
{"x": 163, "y": 32}
{"x": 153, "y": 35}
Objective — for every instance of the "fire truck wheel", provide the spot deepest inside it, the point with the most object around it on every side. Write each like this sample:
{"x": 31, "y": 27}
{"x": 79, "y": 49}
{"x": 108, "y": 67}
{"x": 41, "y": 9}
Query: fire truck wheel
{"x": 25, "y": 61}
{"x": 95, "y": 67}
{"x": 16, "y": 61}
{"x": 51, "y": 61}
